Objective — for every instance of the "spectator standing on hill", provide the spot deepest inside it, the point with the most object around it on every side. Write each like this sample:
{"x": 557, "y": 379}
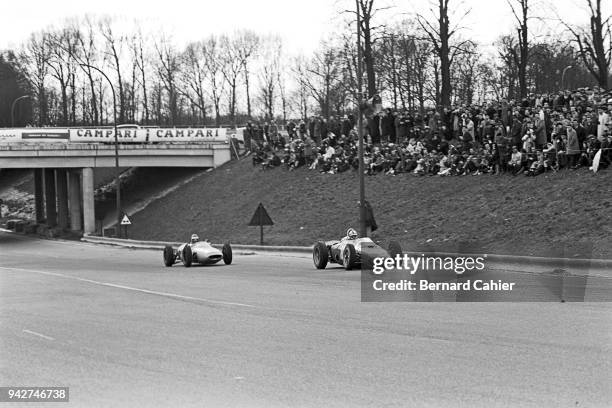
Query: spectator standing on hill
{"x": 273, "y": 134}
{"x": 248, "y": 136}
{"x": 580, "y": 132}
{"x": 346, "y": 126}
{"x": 302, "y": 129}
{"x": 324, "y": 126}
{"x": 503, "y": 146}
{"x": 387, "y": 126}
{"x": 603, "y": 120}
{"x": 468, "y": 127}
{"x": 374, "y": 129}
{"x": 573, "y": 146}
{"x": 515, "y": 131}
{"x": 370, "y": 222}
{"x": 516, "y": 161}
{"x": 313, "y": 129}
{"x": 591, "y": 123}
{"x": 540, "y": 131}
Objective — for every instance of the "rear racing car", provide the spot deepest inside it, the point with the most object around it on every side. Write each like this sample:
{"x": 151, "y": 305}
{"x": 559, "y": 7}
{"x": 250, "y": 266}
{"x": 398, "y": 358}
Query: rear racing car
{"x": 197, "y": 252}
{"x": 351, "y": 251}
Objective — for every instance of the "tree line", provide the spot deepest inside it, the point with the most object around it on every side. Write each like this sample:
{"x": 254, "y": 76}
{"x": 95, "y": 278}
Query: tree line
{"x": 420, "y": 63}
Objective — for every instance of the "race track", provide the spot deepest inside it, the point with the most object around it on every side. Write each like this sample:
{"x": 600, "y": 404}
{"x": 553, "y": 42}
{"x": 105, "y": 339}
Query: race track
{"x": 121, "y": 330}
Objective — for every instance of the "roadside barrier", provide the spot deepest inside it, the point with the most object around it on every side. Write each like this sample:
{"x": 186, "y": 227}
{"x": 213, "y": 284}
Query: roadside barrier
{"x": 514, "y": 259}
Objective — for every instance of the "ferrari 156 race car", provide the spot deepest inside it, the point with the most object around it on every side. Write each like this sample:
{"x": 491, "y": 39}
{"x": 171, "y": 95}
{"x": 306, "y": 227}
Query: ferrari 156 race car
{"x": 352, "y": 252}
{"x": 197, "y": 252}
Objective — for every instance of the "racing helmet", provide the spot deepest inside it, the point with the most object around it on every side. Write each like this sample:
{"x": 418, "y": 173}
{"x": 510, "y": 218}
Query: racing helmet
{"x": 194, "y": 238}
{"x": 351, "y": 233}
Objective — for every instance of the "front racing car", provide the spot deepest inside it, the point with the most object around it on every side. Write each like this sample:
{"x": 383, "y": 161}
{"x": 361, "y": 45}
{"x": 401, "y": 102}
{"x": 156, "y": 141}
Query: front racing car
{"x": 351, "y": 253}
{"x": 201, "y": 252}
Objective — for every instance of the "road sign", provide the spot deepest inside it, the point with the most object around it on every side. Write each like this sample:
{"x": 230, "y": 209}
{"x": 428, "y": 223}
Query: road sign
{"x": 126, "y": 220}
{"x": 260, "y": 218}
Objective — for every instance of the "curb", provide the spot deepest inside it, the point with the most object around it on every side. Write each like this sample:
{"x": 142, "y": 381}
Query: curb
{"x": 518, "y": 259}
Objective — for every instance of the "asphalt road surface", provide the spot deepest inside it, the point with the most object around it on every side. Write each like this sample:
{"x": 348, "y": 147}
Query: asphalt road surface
{"x": 121, "y": 330}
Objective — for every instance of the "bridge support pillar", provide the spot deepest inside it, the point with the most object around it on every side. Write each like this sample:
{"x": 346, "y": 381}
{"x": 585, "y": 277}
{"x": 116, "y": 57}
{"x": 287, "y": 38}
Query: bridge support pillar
{"x": 50, "y": 198}
{"x": 61, "y": 184}
{"x": 74, "y": 199}
{"x": 89, "y": 216}
{"x": 39, "y": 199}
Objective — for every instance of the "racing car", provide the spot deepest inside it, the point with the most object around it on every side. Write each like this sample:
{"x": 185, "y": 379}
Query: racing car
{"x": 351, "y": 251}
{"x": 197, "y": 252}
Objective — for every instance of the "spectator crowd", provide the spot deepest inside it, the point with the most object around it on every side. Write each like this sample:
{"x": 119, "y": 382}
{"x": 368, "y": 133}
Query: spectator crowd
{"x": 540, "y": 133}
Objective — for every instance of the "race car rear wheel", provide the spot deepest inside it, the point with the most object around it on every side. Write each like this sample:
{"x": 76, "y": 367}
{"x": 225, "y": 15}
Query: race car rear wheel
{"x": 168, "y": 255}
{"x": 227, "y": 253}
{"x": 348, "y": 257}
{"x": 320, "y": 255}
{"x": 394, "y": 249}
{"x": 187, "y": 256}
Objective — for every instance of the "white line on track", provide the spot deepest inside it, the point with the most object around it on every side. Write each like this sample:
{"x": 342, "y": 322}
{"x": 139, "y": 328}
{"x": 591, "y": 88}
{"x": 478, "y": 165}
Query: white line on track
{"x": 38, "y": 334}
{"x": 130, "y": 288}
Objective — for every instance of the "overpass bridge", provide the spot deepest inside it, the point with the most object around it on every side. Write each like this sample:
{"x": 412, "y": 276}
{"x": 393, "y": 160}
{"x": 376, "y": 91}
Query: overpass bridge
{"x": 64, "y": 177}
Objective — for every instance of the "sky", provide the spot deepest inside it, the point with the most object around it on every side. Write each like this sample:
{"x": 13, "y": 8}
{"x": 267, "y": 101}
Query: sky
{"x": 302, "y": 24}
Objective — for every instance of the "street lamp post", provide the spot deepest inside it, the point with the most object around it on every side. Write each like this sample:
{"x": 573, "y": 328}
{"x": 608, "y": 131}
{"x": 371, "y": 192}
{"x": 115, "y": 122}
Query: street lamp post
{"x": 117, "y": 179}
{"x": 362, "y": 209}
{"x": 563, "y": 75}
{"x": 13, "y": 108}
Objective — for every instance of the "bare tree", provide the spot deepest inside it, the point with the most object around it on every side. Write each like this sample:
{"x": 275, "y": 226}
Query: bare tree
{"x": 231, "y": 67}
{"x": 440, "y": 37}
{"x": 595, "y": 43}
{"x": 138, "y": 55}
{"x": 367, "y": 13}
{"x": 466, "y": 74}
{"x": 521, "y": 56}
{"x": 301, "y": 94}
{"x": 62, "y": 45}
{"x": 34, "y": 61}
{"x": 194, "y": 77}
{"x": 114, "y": 45}
{"x": 507, "y": 50}
{"x": 268, "y": 75}
{"x": 282, "y": 89}
{"x": 247, "y": 44}
{"x": 167, "y": 70}
{"x": 322, "y": 77}
{"x": 213, "y": 63}
{"x": 420, "y": 65}
{"x": 86, "y": 54}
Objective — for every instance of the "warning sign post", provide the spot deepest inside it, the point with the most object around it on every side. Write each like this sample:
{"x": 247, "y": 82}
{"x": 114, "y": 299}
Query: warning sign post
{"x": 260, "y": 218}
{"x": 125, "y": 221}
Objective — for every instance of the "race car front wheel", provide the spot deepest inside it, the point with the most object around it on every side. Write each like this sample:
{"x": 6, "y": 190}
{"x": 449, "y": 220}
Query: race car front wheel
{"x": 320, "y": 255}
{"x": 227, "y": 253}
{"x": 348, "y": 257}
{"x": 187, "y": 256}
{"x": 168, "y": 255}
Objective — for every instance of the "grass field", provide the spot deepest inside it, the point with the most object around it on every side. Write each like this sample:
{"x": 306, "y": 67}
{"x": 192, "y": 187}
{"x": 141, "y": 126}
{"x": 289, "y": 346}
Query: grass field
{"x": 566, "y": 214}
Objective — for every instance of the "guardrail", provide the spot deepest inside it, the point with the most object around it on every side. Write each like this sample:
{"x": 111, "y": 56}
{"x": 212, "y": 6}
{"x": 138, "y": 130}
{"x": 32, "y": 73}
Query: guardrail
{"x": 511, "y": 259}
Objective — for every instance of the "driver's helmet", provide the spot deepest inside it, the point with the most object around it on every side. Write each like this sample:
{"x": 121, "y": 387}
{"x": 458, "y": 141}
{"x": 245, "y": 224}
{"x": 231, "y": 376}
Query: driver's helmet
{"x": 351, "y": 233}
{"x": 194, "y": 238}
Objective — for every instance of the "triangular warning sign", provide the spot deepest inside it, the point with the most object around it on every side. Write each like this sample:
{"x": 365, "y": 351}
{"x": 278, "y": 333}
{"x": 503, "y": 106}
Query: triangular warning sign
{"x": 126, "y": 220}
{"x": 260, "y": 217}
